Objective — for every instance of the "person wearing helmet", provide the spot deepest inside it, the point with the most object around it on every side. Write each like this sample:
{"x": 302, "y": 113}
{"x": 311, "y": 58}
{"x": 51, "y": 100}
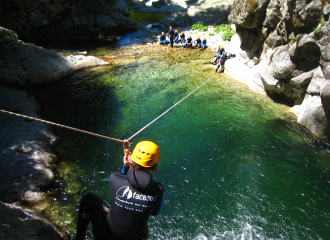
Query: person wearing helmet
{"x": 189, "y": 42}
{"x": 134, "y": 198}
{"x": 203, "y": 44}
{"x": 198, "y": 42}
{"x": 163, "y": 40}
{"x": 171, "y": 36}
{"x": 176, "y": 36}
{"x": 182, "y": 37}
{"x": 219, "y": 54}
{"x": 221, "y": 63}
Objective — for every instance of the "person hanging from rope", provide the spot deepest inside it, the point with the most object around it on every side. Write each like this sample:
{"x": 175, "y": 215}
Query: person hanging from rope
{"x": 163, "y": 40}
{"x": 219, "y": 54}
{"x": 134, "y": 197}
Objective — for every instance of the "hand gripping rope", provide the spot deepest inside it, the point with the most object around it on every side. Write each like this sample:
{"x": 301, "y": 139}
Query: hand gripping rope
{"x": 98, "y": 135}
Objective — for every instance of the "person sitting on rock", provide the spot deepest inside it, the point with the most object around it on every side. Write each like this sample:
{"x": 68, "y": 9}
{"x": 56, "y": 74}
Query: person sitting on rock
{"x": 176, "y": 36}
{"x": 163, "y": 40}
{"x": 189, "y": 42}
{"x": 203, "y": 44}
{"x": 182, "y": 37}
{"x": 198, "y": 42}
{"x": 219, "y": 54}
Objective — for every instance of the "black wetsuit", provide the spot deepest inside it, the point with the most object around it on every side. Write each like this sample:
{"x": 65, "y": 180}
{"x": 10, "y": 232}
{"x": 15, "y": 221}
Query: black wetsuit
{"x": 171, "y": 33}
{"x": 134, "y": 197}
{"x": 189, "y": 42}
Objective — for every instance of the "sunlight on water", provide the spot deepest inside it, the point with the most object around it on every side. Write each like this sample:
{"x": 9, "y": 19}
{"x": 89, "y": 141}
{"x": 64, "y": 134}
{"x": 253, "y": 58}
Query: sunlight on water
{"x": 233, "y": 164}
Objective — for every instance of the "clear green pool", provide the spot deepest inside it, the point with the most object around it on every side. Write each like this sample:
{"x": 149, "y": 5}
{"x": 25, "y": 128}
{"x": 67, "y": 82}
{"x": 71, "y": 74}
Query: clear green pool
{"x": 233, "y": 164}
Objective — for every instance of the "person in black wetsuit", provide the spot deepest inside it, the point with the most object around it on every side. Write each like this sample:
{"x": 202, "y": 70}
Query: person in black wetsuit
{"x": 189, "y": 42}
{"x": 221, "y": 63}
{"x": 134, "y": 197}
{"x": 171, "y": 35}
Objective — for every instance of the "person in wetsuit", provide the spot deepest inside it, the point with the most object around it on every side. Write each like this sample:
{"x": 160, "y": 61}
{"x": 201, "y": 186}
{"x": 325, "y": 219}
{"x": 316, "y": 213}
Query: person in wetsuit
{"x": 182, "y": 37}
{"x": 189, "y": 42}
{"x": 134, "y": 197}
{"x": 203, "y": 44}
{"x": 198, "y": 42}
{"x": 219, "y": 54}
{"x": 163, "y": 40}
{"x": 221, "y": 63}
{"x": 171, "y": 35}
{"x": 176, "y": 36}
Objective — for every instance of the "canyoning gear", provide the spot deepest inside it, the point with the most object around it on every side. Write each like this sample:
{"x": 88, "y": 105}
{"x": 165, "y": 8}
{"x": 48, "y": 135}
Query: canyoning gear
{"x": 171, "y": 35}
{"x": 146, "y": 154}
{"x": 203, "y": 44}
{"x": 134, "y": 197}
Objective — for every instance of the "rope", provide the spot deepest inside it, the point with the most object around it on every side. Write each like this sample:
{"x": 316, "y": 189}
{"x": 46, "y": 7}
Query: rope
{"x": 98, "y": 135}
{"x": 62, "y": 126}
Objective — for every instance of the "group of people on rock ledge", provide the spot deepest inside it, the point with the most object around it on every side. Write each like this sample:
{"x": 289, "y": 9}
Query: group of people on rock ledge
{"x": 176, "y": 37}
{"x": 219, "y": 59}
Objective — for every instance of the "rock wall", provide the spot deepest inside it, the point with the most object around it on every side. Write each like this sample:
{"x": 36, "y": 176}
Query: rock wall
{"x": 285, "y": 46}
{"x": 36, "y": 20}
{"x": 26, "y": 147}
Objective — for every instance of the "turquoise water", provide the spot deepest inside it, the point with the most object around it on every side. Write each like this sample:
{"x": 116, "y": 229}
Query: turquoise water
{"x": 233, "y": 163}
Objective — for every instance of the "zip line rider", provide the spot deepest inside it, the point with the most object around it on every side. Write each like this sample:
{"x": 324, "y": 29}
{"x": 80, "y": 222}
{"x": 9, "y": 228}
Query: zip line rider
{"x": 134, "y": 197}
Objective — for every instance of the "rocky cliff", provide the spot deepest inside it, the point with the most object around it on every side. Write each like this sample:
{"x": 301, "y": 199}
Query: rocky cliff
{"x": 285, "y": 49}
{"x": 36, "y": 20}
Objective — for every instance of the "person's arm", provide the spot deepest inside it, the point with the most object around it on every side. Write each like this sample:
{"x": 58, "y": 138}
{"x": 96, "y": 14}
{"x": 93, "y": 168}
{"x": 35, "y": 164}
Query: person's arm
{"x": 127, "y": 162}
{"x": 159, "y": 207}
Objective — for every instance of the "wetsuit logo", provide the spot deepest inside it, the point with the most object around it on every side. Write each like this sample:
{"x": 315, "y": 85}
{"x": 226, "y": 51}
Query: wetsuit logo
{"x": 126, "y": 191}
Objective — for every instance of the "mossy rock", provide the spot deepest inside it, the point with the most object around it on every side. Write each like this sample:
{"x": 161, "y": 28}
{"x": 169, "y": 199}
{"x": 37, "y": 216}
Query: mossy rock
{"x": 7, "y": 33}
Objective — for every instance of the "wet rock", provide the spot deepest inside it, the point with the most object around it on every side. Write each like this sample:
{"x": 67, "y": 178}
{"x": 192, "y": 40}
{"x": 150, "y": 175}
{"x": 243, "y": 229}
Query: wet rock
{"x": 24, "y": 64}
{"x": 26, "y": 166}
{"x": 17, "y": 223}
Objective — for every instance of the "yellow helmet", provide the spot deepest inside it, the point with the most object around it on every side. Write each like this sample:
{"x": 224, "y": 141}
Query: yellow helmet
{"x": 182, "y": 32}
{"x": 170, "y": 27}
{"x": 146, "y": 154}
{"x": 163, "y": 33}
{"x": 176, "y": 31}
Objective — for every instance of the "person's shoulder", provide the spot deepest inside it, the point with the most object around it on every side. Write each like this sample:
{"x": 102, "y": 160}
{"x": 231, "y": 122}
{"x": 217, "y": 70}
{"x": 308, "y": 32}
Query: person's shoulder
{"x": 117, "y": 174}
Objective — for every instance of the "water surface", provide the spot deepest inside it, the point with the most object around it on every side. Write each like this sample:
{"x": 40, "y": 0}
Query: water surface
{"x": 233, "y": 163}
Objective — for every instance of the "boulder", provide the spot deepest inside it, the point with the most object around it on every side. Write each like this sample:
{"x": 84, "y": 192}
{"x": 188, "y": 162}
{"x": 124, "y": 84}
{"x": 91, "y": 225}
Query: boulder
{"x": 26, "y": 165}
{"x": 312, "y": 116}
{"x": 17, "y": 223}
{"x": 24, "y": 64}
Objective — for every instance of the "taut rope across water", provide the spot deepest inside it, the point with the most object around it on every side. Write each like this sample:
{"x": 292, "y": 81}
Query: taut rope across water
{"x": 99, "y": 135}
